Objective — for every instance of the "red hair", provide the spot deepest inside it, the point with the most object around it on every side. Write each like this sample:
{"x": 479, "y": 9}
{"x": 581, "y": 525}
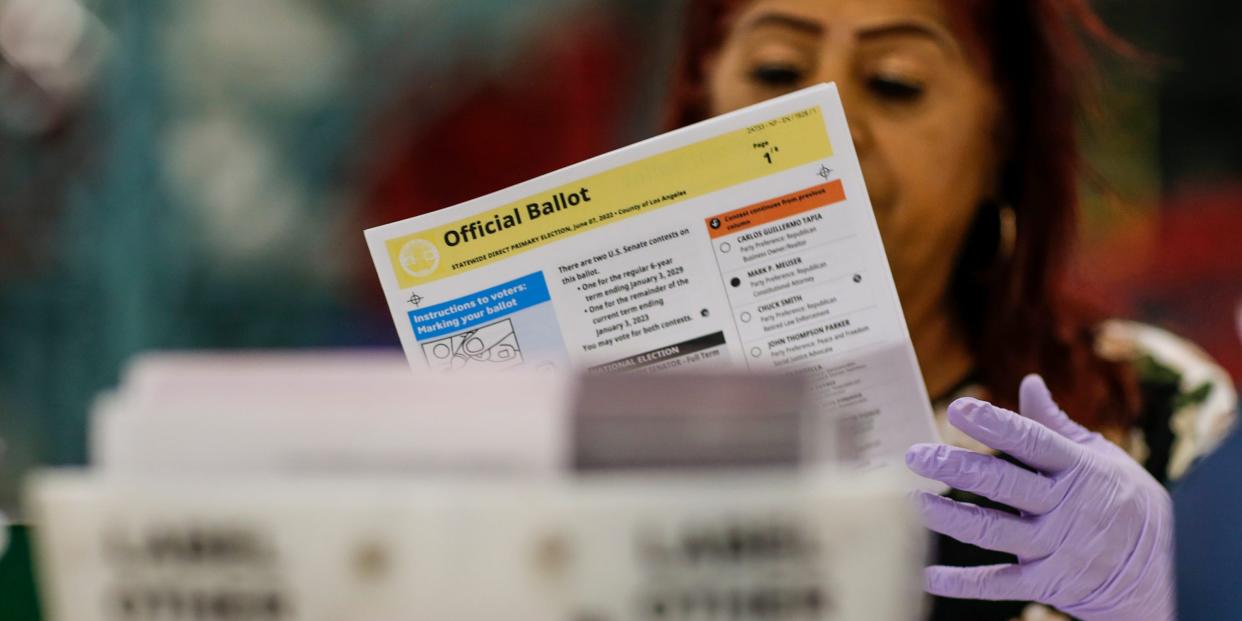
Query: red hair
{"x": 1016, "y": 313}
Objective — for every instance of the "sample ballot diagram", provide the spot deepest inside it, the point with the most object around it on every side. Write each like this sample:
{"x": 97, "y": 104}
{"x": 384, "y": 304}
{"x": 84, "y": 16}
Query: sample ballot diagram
{"x": 490, "y": 347}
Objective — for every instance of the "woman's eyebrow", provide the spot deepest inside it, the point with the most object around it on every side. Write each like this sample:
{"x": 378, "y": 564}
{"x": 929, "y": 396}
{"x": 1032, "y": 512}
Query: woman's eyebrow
{"x": 908, "y": 28}
{"x": 808, "y": 26}
{"x": 811, "y": 26}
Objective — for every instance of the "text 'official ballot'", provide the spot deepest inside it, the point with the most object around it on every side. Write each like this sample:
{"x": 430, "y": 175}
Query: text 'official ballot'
{"x": 747, "y": 240}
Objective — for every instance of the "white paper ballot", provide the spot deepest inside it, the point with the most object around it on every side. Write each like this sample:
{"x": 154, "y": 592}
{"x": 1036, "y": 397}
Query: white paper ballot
{"x": 299, "y": 413}
{"x": 747, "y": 240}
{"x": 766, "y": 547}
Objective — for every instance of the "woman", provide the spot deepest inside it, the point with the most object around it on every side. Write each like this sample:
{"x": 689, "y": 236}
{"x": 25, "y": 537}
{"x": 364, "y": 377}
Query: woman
{"x": 963, "y": 114}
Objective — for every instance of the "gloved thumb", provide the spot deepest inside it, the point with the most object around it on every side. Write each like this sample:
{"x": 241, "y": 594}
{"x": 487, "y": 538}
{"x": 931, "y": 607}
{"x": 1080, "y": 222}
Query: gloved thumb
{"x": 1035, "y": 402}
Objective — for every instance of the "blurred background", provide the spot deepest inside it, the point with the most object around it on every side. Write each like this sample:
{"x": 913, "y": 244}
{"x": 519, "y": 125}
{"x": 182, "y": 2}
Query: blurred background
{"x": 198, "y": 174}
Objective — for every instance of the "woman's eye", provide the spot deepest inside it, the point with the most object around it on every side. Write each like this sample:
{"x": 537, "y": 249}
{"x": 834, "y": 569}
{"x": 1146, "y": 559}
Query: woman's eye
{"x": 895, "y": 89}
{"x": 777, "y": 76}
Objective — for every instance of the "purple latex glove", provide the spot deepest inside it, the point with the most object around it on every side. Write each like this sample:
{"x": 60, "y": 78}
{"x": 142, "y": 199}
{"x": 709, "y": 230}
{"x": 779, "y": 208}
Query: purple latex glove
{"x": 1095, "y": 535}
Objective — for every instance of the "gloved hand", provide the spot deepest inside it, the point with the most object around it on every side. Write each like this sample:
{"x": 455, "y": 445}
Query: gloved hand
{"x": 1094, "y": 538}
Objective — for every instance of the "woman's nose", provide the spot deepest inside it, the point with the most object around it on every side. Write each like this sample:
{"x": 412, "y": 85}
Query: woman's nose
{"x": 860, "y": 129}
{"x": 837, "y": 70}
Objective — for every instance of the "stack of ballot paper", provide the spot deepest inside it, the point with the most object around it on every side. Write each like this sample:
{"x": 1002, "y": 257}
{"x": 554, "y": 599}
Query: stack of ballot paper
{"x": 303, "y": 413}
{"x": 669, "y": 383}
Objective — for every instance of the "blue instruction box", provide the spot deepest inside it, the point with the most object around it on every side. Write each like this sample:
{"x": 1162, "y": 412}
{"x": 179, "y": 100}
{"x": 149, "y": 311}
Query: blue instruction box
{"x": 480, "y": 307}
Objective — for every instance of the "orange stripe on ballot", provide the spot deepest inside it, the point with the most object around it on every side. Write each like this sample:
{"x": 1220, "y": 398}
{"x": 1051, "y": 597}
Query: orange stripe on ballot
{"x": 775, "y": 209}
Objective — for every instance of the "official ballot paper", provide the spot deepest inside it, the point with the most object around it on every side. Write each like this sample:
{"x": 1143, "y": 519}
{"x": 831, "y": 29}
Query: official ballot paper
{"x": 747, "y": 240}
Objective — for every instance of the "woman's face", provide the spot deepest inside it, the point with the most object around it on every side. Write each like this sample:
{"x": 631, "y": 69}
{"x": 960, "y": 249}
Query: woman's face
{"x": 924, "y": 117}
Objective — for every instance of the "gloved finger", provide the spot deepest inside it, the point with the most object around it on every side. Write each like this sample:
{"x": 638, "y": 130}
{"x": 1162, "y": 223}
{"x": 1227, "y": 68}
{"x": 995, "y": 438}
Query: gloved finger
{"x": 1035, "y": 402}
{"x": 1005, "y": 431}
{"x": 985, "y": 475}
{"x": 986, "y": 528}
{"x": 990, "y": 582}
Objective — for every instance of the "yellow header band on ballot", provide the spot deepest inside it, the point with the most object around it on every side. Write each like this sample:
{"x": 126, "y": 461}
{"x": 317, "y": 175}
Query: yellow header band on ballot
{"x": 638, "y": 187}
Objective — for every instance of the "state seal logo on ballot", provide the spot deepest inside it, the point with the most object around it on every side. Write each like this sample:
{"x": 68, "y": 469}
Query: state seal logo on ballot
{"x": 419, "y": 258}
